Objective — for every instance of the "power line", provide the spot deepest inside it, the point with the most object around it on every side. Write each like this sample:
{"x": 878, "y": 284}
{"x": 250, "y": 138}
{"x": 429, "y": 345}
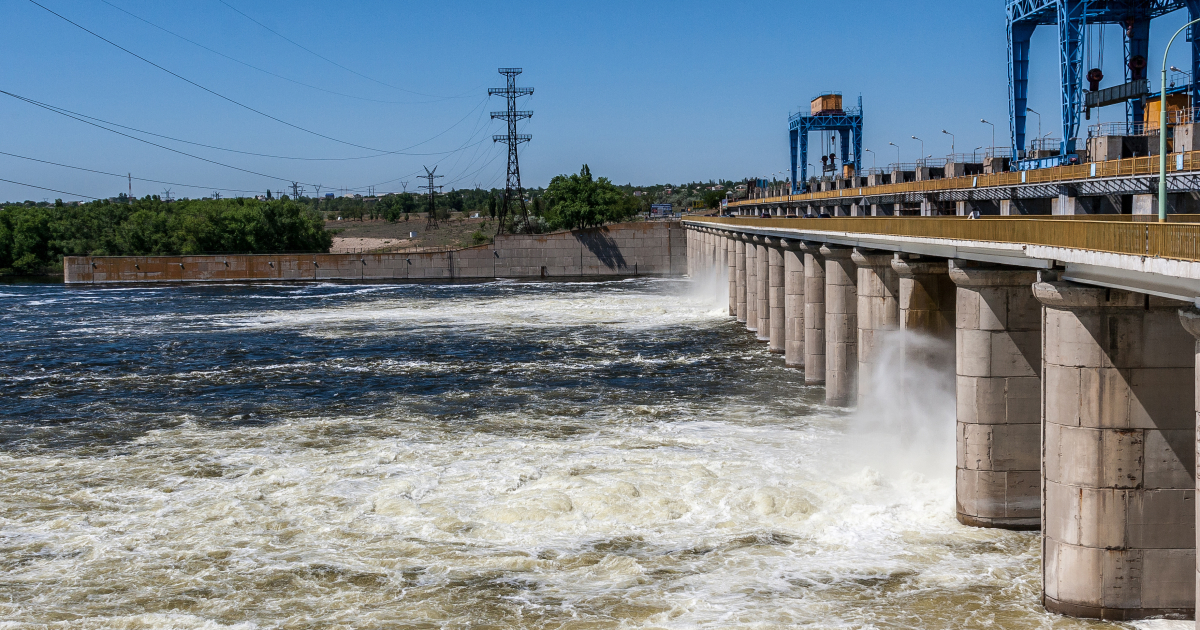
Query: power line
{"x": 119, "y": 133}
{"x": 326, "y": 59}
{"x": 128, "y": 176}
{"x": 62, "y": 110}
{"x": 210, "y": 91}
{"x": 49, "y": 189}
{"x": 262, "y": 70}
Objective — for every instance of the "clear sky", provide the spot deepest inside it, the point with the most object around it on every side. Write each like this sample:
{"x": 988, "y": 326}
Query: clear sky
{"x": 644, "y": 92}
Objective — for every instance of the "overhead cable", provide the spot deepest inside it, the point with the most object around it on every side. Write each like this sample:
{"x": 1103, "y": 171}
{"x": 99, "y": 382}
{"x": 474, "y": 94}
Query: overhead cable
{"x": 210, "y": 91}
{"x": 262, "y": 70}
{"x": 63, "y": 192}
{"x": 326, "y": 59}
{"x": 126, "y": 176}
{"x": 62, "y": 110}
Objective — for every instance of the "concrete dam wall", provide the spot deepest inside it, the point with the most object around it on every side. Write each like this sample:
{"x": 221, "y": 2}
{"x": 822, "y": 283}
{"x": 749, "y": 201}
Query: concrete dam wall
{"x": 625, "y": 249}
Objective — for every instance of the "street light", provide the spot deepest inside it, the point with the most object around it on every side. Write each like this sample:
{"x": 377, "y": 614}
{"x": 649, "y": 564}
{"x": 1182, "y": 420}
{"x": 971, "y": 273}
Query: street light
{"x": 1162, "y": 130}
{"x": 993, "y": 135}
{"x": 1039, "y": 121}
{"x": 872, "y": 158}
{"x": 922, "y": 144}
{"x": 951, "y": 140}
{"x": 897, "y": 154}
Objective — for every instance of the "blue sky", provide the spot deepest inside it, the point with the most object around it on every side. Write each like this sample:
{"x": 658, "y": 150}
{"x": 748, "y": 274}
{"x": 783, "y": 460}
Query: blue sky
{"x": 645, "y": 92}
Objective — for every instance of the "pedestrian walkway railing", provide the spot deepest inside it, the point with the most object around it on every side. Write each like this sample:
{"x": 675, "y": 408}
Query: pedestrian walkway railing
{"x": 1117, "y": 234}
{"x": 1176, "y": 162}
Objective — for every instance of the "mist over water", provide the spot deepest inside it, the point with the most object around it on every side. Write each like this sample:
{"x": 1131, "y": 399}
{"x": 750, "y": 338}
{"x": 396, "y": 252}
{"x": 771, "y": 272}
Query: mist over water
{"x": 502, "y": 455}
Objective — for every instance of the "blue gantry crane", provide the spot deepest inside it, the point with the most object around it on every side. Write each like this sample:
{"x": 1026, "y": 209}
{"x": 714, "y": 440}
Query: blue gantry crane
{"x": 826, "y": 114}
{"x": 1072, "y": 18}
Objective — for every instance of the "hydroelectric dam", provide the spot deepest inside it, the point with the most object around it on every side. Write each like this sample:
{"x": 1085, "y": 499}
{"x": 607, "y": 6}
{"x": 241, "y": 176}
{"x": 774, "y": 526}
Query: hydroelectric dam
{"x": 1074, "y": 352}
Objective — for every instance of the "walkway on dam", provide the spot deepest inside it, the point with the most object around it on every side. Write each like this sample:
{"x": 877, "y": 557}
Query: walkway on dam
{"x": 1074, "y": 352}
{"x": 1060, "y": 190}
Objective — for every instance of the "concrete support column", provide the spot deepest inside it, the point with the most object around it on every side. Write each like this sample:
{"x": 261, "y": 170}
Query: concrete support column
{"x": 998, "y": 384}
{"x": 793, "y": 304}
{"x": 751, "y": 283}
{"x": 739, "y": 259}
{"x": 763, "y": 289}
{"x": 1119, "y": 436}
{"x": 731, "y": 257}
{"x": 878, "y": 312}
{"x": 814, "y": 314}
{"x": 841, "y": 327}
{"x": 927, "y": 299}
{"x": 691, "y": 252}
{"x": 775, "y": 292}
{"x": 1190, "y": 316}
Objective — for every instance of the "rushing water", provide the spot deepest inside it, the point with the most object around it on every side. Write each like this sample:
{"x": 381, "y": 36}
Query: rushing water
{"x": 501, "y": 455}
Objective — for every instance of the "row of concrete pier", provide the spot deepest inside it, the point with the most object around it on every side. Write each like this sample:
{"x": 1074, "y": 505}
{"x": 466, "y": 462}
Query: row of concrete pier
{"x": 1076, "y": 404}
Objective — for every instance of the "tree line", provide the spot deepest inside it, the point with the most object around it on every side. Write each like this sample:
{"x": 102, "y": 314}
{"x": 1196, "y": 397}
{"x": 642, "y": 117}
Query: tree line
{"x": 33, "y": 238}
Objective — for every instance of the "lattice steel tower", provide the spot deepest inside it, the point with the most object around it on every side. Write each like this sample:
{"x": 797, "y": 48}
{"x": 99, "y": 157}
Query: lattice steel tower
{"x": 431, "y": 223}
{"x": 512, "y": 187}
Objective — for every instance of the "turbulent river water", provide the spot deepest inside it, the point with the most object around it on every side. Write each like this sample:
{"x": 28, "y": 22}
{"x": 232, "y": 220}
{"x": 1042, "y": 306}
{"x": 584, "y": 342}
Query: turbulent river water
{"x": 501, "y": 455}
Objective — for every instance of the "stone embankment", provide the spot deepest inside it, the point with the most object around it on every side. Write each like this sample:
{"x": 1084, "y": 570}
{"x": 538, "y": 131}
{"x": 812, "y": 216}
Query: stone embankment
{"x": 626, "y": 249}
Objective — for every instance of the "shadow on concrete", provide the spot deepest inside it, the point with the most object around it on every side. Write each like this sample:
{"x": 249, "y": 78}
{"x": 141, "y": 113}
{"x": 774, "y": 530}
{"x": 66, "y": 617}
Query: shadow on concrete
{"x": 602, "y": 246}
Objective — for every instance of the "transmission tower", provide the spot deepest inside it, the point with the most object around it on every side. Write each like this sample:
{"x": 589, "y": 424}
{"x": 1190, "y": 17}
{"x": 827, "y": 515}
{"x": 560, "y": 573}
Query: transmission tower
{"x": 432, "y": 190}
{"x": 512, "y": 186}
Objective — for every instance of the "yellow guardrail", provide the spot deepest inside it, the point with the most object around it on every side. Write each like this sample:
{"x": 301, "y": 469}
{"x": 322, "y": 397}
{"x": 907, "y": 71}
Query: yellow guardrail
{"x": 1059, "y": 174}
{"x": 1179, "y": 241}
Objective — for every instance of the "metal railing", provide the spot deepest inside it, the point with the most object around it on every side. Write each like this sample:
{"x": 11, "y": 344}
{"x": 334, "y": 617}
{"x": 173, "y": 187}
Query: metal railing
{"x": 1176, "y": 240}
{"x": 1045, "y": 144}
{"x": 932, "y": 162}
{"x": 1146, "y": 165}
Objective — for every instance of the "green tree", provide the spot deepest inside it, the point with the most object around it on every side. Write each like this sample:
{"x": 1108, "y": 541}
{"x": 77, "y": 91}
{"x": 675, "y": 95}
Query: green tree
{"x": 579, "y": 201}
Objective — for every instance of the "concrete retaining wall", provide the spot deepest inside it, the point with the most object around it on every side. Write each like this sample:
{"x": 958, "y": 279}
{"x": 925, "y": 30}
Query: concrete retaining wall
{"x": 626, "y": 249}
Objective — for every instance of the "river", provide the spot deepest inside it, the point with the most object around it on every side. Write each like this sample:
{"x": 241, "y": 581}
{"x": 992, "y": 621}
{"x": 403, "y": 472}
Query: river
{"x": 615, "y": 454}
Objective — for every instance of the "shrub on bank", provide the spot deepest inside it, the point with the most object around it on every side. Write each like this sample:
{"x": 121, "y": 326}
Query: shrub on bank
{"x": 34, "y": 239}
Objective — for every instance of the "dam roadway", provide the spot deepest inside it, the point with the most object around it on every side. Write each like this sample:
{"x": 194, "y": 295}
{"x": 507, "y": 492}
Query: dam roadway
{"x": 1075, "y": 349}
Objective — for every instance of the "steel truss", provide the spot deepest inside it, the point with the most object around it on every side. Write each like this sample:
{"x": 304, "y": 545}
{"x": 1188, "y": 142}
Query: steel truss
{"x": 848, "y": 124}
{"x": 1072, "y": 18}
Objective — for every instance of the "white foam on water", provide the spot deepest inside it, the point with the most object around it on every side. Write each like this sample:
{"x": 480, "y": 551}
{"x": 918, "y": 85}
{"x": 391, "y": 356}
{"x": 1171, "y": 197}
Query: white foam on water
{"x": 720, "y": 512}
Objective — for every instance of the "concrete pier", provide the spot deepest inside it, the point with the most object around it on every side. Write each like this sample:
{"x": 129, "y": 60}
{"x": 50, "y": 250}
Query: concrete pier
{"x": 998, "y": 348}
{"x": 731, "y": 262}
{"x": 793, "y": 304}
{"x": 763, "y": 289}
{"x": 752, "y": 283}
{"x": 814, "y": 314}
{"x": 775, "y": 292}
{"x": 1190, "y": 317}
{"x": 878, "y": 312}
{"x": 740, "y": 279}
{"x": 1076, "y": 401}
{"x": 1119, "y": 509}
{"x": 841, "y": 326}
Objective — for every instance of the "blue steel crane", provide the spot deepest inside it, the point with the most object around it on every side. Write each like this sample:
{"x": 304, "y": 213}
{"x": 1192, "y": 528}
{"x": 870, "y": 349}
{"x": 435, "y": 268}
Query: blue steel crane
{"x": 846, "y": 122}
{"x": 1072, "y": 18}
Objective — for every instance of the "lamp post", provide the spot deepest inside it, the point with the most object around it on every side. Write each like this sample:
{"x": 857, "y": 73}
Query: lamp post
{"x": 1039, "y": 121}
{"x": 872, "y": 158}
{"x": 993, "y": 135}
{"x": 922, "y": 146}
{"x": 897, "y": 153}
{"x": 1162, "y": 130}
{"x": 951, "y": 141}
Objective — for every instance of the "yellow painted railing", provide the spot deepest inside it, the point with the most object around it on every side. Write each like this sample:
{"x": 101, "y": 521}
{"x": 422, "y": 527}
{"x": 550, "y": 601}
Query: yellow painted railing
{"x": 1110, "y": 168}
{"x": 1179, "y": 241}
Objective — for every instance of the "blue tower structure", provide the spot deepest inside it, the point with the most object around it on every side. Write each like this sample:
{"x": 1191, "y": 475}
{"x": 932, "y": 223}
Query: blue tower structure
{"x": 827, "y": 114}
{"x": 1072, "y": 18}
